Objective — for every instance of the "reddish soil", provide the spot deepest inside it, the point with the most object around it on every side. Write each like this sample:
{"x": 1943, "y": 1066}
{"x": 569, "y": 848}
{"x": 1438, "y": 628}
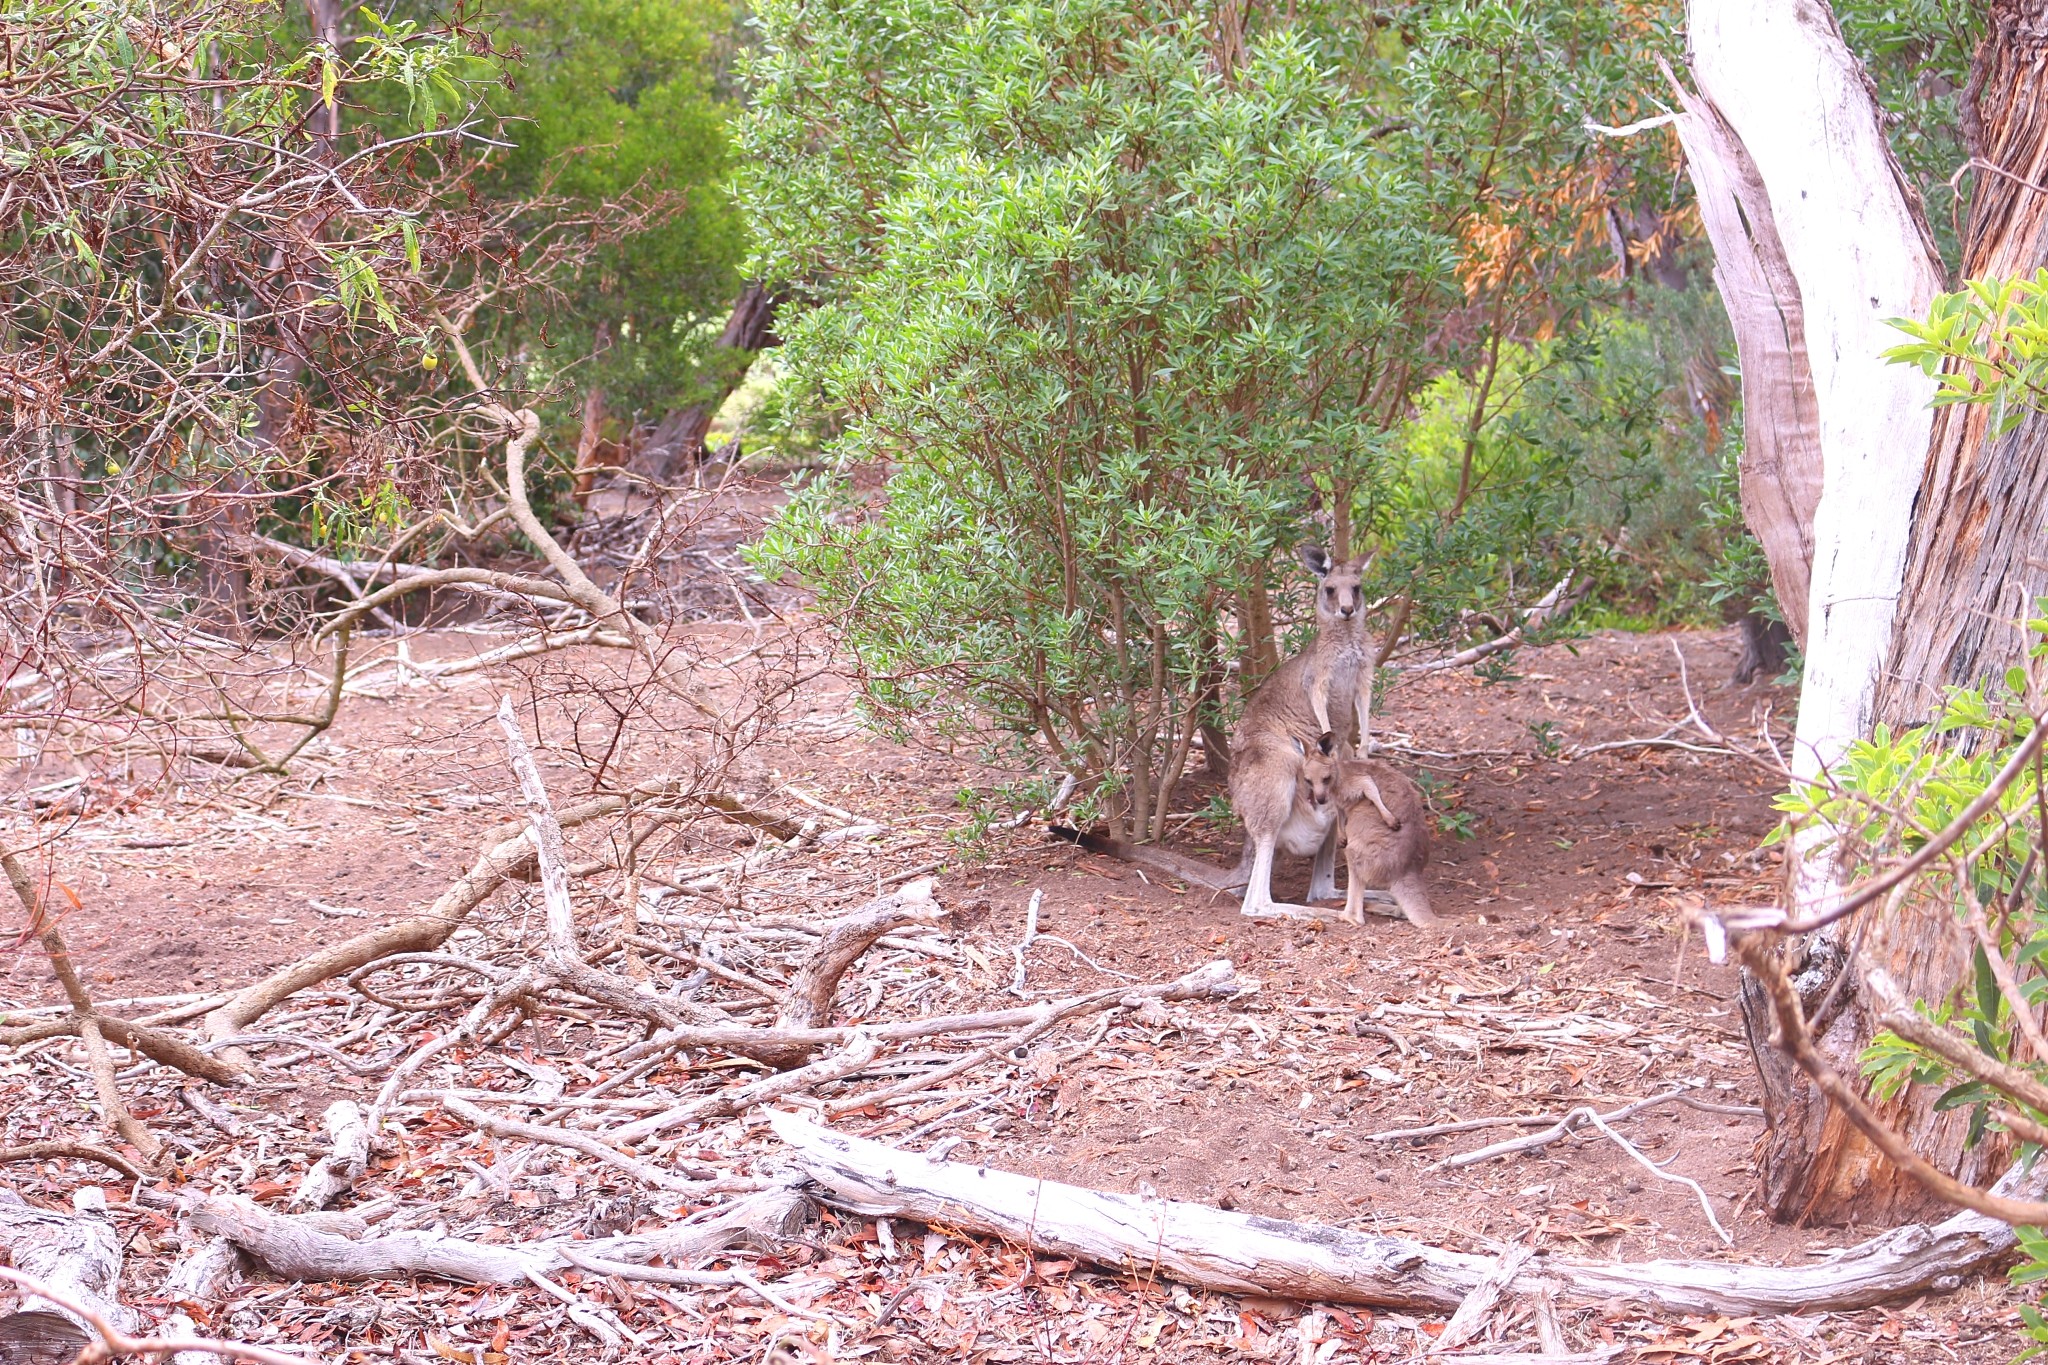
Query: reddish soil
{"x": 1562, "y": 976}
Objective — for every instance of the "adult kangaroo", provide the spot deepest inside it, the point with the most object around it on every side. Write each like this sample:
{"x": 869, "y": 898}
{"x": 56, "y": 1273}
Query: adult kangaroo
{"x": 1288, "y": 720}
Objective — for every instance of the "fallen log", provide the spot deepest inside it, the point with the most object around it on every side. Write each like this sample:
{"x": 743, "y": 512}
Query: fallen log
{"x": 76, "y": 1255}
{"x": 1247, "y": 1254}
{"x": 309, "y": 1246}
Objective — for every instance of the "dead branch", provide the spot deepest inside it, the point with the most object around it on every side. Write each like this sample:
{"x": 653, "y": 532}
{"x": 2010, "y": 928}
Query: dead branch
{"x": 305, "y": 1247}
{"x": 76, "y": 1151}
{"x": 1240, "y": 1253}
{"x": 349, "y": 1133}
{"x": 564, "y": 1137}
{"x": 76, "y": 1256}
{"x": 849, "y": 1061}
{"x": 1559, "y": 1126}
{"x": 498, "y": 863}
{"x": 1552, "y": 606}
{"x": 1477, "y": 1306}
{"x": 1212, "y": 981}
{"x": 808, "y": 1004}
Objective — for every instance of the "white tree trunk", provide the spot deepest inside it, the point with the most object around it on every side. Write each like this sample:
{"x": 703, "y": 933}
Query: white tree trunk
{"x": 1855, "y": 241}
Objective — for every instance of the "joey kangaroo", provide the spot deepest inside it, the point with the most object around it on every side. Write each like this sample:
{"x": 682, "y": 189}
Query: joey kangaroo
{"x": 1280, "y": 788}
{"x": 1386, "y": 842}
{"x": 1288, "y": 717}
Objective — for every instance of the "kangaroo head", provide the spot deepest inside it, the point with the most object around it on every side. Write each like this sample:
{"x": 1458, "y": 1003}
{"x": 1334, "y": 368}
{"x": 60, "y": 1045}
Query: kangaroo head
{"x": 1338, "y": 597}
{"x": 1314, "y": 783}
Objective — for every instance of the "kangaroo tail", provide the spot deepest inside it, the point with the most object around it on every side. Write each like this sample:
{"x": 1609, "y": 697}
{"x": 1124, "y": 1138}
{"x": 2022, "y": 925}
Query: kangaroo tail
{"x": 1187, "y": 869}
{"x": 1412, "y": 894}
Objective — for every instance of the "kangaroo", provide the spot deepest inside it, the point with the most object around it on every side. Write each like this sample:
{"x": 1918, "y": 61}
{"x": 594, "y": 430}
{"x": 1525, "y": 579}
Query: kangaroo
{"x": 1289, "y": 716}
{"x": 1386, "y": 842}
{"x": 1281, "y": 790}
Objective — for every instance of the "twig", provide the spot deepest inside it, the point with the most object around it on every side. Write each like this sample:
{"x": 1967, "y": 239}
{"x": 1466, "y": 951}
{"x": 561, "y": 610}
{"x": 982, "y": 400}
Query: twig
{"x": 1660, "y": 1173}
{"x": 703, "y": 1279}
{"x": 1552, "y": 604}
{"x": 78, "y": 1151}
{"x": 1718, "y": 927}
{"x": 1024, "y": 944}
{"x": 1561, "y": 1127}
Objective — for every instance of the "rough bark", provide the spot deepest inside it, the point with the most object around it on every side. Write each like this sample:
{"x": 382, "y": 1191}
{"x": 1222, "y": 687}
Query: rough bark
{"x": 78, "y": 1256}
{"x": 1975, "y": 565}
{"x": 1243, "y": 1253}
{"x": 1973, "y": 570}
{"x": 678, "y": 439}
{"x": 1921, "y": 532}
{"x": 339, "y": 1247}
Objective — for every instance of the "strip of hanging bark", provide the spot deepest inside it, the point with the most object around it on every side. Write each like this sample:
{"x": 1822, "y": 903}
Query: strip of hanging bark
{"x": 1241, "y": 1253}
{"x": 1781, "y": 454}
{"x": 306, "y": 1246}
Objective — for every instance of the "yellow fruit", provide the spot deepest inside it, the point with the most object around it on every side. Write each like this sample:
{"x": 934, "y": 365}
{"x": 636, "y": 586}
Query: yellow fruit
{"x": 429, "y": 361}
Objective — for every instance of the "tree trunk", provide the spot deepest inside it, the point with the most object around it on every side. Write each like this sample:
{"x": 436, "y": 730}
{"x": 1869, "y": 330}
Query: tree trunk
{"x": 678, "y": 439}
{"x": 591, "y": 432}
{"x": 1921, "y": 532}
{"x": 1974, "y": 568}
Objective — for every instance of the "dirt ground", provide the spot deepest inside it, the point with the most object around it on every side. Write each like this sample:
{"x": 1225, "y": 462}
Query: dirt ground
{"x": 1562, "y": 975}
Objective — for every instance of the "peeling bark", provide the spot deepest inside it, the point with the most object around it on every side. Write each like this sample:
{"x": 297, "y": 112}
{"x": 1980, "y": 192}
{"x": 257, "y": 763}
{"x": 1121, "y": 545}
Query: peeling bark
{"x": 1924, "y": 537}
{"x": 1781, "y": 454}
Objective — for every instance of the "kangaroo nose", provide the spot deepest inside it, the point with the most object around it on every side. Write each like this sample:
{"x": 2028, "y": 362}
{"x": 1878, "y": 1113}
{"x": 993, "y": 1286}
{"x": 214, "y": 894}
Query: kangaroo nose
{"x": 1345, "y": 612}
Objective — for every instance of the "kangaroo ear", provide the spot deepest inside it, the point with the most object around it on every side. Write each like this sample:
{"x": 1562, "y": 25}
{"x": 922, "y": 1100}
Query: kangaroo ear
{"x": 1327, "y": 743}
{"x": 1317, "y": 559}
